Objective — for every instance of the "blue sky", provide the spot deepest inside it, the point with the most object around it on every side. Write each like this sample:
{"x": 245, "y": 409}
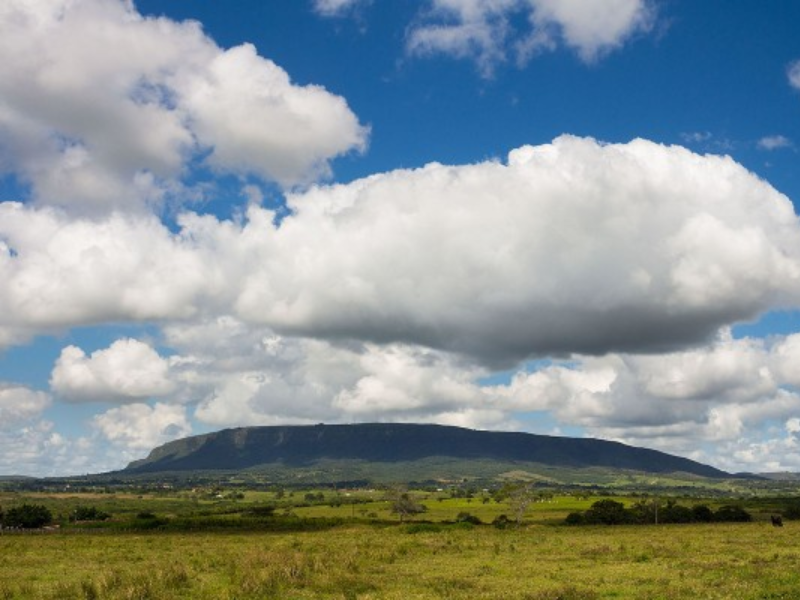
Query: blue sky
{"x": 560, "y": 216}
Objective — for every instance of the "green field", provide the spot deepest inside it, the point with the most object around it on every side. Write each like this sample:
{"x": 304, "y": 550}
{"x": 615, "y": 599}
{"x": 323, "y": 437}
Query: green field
{"x": 349, "y": 545}
{"x": 361, "y": 561}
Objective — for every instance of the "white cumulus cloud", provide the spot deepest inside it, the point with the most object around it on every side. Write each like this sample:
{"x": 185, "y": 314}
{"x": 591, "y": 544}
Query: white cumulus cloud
{"x": 20, "y": 405}
{"x": 237, "y": 374}
{"x": 590, "y": 27}
{"x": 483, "y": 29}
{"x": 726, "y": 393}
{"x": 140, "y": 427}
{"x": 574, "y": 246}
{"x": 102, "y": 108}
{"x": 127, "y": 370}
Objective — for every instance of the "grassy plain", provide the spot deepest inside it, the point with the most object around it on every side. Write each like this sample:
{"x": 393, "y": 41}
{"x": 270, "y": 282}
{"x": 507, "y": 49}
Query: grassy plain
{"x": 362, "y": 551}
{"x": 409, "y": 561}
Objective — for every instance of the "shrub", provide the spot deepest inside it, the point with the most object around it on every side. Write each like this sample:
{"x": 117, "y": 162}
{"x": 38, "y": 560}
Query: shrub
{"x": 89, "y": 513}
{"x": 574, "y": 518}
{"x": 423, "y": 528}
{"x": 465, "y": 517}
{"x": 502, "y": 522}
{"x": 28, "y": 516}
{"x": 675, "y": 513}
{"x": 702, "y": 514}
{"x": 732, "y": 514}
{"x": 607, "y": 512}
{"x": 791, "y": 512}
{"x": 262, "y": 511}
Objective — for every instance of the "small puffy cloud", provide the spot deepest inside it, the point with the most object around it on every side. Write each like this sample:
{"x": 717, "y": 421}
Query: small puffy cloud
{"x": 399, "y": 381}
{"x": 590, "y": 27}
{"x": 128, "y": 370}
{"x": 256, "y": 121}
{"x": 475, "y": 29}
{"x": 20, "y": 405}
{"x": 696, "y": 137}
{"x": 793, "y": 73}
{"x": 774, "y": 142}
{"x": 484, "y": 30}
{"x": 140, "y": 427}
{"x": 104, "y": 109}
{"x": 334, "y": 8}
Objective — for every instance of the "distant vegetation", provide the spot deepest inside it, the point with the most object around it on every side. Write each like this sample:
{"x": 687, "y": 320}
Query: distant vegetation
{"x": 456, "y": 527}
{"x": 611, "y": 512}
{"x": 225, "y": 539}
{"x": 27, "y": 516}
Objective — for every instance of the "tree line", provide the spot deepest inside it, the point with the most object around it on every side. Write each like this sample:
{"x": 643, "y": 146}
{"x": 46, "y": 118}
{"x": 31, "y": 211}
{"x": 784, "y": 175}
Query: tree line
{"x": 611, "y": 512}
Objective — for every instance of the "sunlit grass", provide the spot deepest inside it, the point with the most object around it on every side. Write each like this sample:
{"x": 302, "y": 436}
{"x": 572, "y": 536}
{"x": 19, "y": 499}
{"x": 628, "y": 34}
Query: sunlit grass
{"x": 750, "y": 560}
{"x": 349, "y": 545}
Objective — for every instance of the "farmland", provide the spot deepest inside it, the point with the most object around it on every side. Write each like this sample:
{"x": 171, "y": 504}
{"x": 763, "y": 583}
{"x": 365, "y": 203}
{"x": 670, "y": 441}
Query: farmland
{"x": 348, "y": 544}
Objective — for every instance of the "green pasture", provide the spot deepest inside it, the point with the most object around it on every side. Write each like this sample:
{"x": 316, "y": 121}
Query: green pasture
{"x": 324, "y": 543}
{"x": 441, "y": 508}
{"x": 741, "y": 561}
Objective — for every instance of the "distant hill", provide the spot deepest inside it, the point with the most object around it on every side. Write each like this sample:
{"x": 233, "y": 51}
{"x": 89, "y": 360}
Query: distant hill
{"x": 389, "y": 444}
{"x": 781, "y": 476}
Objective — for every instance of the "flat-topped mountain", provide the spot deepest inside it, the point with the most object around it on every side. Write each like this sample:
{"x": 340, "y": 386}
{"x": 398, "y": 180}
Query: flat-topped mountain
{"x": 384, "y": 443}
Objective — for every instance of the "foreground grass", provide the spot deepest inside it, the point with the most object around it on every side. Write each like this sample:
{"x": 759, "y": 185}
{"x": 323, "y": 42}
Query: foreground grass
{"x": 364, "y": 561}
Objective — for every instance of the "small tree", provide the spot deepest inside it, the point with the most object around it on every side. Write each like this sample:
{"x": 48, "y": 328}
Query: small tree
{"x": 404, "y": 506}
{"x": 520, "y": 498}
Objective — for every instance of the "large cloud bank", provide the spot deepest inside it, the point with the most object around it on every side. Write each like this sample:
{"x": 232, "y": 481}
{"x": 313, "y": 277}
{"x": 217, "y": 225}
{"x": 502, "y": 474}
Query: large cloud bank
{"x": 573, "y": 246}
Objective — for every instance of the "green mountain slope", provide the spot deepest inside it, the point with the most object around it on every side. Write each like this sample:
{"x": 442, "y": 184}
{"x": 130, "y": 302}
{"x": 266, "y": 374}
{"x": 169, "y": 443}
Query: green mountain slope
{"x": 389, "y": 444}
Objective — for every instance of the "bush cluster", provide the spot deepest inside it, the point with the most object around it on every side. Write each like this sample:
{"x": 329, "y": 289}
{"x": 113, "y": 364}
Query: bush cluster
{"x": 465, "y": 517}
{"x": 611, "y": 512}
{"x": 88, "y": 513}
{"x": 792, "y": 511}
{"x": 27, "y": 516}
